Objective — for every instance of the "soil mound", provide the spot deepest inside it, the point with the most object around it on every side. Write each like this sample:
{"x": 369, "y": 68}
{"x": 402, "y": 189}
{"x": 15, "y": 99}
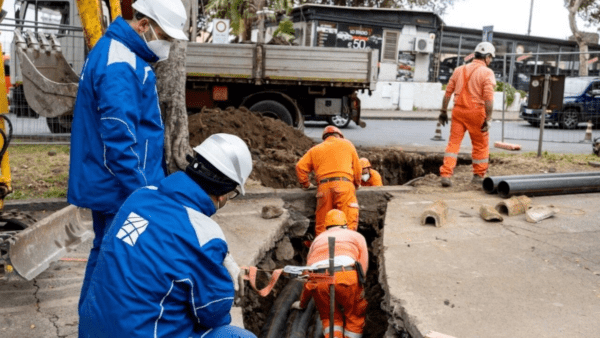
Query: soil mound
{"x": 276, "y": 147}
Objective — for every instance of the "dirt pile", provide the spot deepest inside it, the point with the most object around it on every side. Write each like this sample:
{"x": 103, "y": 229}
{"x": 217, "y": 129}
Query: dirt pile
{"x": 275, "y": 146}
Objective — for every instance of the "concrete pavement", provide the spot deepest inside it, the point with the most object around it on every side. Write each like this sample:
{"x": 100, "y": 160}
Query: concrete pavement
{"x": 430, "y": 115}
{"x": 467, "y": 279}
{"x": 510, "y": 279}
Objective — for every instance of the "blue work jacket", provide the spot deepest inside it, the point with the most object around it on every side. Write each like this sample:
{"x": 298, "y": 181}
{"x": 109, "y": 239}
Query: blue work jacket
{"x": 160, "y": 270}
{"x": 117, "y": 133}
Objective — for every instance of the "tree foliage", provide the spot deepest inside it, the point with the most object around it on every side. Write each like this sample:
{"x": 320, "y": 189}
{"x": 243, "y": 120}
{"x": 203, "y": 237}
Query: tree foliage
{"x": 588, "y": 10}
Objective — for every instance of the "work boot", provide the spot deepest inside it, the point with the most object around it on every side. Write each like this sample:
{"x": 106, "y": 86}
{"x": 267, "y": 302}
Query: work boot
{"x": 477, "y": 180}
{"x": 446, "y": 182}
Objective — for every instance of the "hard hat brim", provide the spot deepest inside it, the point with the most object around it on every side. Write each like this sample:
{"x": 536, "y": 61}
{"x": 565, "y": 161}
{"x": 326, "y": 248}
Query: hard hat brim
{"x": 170, "y": 31}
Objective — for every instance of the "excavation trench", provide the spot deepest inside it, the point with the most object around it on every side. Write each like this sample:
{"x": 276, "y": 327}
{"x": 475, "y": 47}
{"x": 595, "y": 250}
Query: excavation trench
{"x": 271, "y": 316}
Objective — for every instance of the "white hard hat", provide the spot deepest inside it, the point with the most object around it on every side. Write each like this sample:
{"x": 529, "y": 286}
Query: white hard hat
{"x": 169, "y": 15}
{"x": 485, "y": 48}
{"x": 230, "y": 155}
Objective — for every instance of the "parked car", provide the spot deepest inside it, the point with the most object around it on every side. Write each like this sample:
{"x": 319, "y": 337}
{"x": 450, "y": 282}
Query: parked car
{"x": 581, "y": 103}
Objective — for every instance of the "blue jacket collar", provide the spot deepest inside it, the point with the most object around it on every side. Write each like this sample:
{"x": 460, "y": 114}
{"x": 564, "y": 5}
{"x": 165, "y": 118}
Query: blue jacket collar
{"x": 181, "y": 188}
{"x": 121, "y": 31}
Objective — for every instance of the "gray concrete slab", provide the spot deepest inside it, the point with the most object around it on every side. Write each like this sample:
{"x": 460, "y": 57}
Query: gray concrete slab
{"x": 511, "y": 279}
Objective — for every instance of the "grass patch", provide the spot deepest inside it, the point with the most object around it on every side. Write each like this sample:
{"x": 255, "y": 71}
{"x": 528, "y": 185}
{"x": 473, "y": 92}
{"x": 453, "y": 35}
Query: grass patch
{"x": 38, "y": 171}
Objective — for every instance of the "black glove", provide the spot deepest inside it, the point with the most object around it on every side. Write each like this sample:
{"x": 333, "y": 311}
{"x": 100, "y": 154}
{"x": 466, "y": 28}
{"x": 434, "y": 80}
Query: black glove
{"x": 486, "y": 126}
{"x": 443, "y": 118}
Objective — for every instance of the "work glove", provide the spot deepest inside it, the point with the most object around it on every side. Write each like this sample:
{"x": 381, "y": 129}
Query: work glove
{"x": 310, "y": 187}
{"x": 443, "y": 118}
{"x": 486, "y": 126}
{"x": 296, "y": 305}
{"x": 233, "y": 269}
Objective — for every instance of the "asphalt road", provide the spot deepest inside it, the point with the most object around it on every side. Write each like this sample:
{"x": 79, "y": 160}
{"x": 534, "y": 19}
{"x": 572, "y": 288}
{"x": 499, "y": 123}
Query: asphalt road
{"x": 416, "y": 135}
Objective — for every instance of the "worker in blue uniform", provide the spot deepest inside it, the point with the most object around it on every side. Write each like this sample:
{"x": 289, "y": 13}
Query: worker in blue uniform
{"x": 117, "y": 133}
{"x": 164, "y": 269}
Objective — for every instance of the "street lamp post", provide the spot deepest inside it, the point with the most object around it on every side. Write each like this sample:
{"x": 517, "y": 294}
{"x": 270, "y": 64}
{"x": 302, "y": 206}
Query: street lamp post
{"x": 530, "y": 16}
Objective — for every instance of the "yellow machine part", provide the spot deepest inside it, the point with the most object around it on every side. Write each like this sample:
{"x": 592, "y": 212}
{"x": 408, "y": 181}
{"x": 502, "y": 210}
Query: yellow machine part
{"x": 90, "y": 13}
{"x": 5, "y": 177}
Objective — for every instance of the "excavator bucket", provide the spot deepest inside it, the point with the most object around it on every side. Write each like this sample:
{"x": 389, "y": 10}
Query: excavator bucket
{"x": 49, "y": 82}
{"x": 31, "y": 251}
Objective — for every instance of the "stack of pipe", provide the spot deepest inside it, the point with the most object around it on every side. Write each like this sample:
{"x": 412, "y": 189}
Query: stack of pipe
{"x": 543, "y": 184}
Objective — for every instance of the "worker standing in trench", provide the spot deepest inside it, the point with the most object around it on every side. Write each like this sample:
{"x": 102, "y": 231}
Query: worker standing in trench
{"x": 164, "y": 269}
{"x": 370, "y": 177}
{"x": 117, "y": 133}
{"x": 338, "y": 173}
{"x": 473, "y": 87}
{"x": 351, "y": 264}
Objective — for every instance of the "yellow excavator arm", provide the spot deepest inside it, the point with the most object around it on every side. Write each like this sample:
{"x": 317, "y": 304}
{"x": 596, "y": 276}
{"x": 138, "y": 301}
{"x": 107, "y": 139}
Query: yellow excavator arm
{"x": 90, "y": 13}
{"x": 5, "y": 177}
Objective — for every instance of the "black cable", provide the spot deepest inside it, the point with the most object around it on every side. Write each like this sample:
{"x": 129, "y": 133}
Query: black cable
{"x": 4, "y": 137}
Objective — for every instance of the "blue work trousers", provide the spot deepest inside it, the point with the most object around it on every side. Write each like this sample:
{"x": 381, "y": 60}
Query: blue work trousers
{"x": 101, "y": 222}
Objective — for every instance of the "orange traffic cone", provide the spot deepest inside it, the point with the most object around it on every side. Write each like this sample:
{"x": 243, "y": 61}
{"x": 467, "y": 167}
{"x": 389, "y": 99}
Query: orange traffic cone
{"x": 438, "y": 133}
{"x": 588, "y": 132}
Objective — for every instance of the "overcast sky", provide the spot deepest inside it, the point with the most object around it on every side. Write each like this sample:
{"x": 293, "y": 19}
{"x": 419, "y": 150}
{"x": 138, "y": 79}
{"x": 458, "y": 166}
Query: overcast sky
{"x": 550, "y": 18}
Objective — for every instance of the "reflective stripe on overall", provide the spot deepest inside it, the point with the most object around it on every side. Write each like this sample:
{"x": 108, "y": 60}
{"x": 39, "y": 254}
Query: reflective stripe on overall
{"x": 467, "y": 116}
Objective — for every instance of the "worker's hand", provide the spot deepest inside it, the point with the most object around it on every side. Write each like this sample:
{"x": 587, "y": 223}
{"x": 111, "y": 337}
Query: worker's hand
{"x": 486, "y": 126}
{"x": 296, "y": 305}
{"x": 233, "y": 269}
{"x": 310, "y": 187}
{"x": 443, "y": 118}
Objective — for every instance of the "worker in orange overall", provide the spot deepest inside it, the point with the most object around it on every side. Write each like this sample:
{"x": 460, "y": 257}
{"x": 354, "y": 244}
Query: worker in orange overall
{"x": 338, "y": 173}
{"x": 350, "y": 249}
{"x": 473, "y": 88}
{"x": 370, "y": 177}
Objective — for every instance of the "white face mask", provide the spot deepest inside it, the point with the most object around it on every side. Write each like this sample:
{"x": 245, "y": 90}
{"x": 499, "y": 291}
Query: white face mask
{"x": 160, "y": 47}
{"x": 366, "y": 177}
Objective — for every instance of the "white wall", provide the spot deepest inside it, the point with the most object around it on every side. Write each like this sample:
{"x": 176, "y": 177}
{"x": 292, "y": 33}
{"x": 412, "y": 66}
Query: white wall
{"x": 407, "y": 96}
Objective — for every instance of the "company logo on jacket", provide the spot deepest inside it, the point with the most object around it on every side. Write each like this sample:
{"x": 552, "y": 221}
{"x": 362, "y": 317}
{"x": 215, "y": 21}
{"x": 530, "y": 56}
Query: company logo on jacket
{"x": 132, "y": 228}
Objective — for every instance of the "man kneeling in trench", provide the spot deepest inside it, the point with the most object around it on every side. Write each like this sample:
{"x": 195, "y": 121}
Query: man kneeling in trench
{"x": 164, "y": 269}
{"x": 351, "y": 264}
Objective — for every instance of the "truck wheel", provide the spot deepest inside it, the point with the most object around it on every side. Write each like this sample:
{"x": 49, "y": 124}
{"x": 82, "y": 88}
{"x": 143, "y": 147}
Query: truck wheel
{"x": 60, "y": 124}
{"x": 340, "y": 121}
{"x": 570, "y": 119}
{"x": 273, "y": 109}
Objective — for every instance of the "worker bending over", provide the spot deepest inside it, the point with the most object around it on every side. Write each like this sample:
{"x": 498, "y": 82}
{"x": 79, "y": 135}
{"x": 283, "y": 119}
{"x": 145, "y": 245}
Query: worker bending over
{"x": 164, "y": 269}
{"x": 338, "y": 173}
{"x": 350, "y": 248}
{"x": 117, "y": 134}
{"x": 370, "y": 177}
{"x": 473, "y": 87}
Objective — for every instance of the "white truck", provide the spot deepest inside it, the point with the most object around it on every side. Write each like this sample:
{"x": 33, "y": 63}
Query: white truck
{"x": 286, "y": 82}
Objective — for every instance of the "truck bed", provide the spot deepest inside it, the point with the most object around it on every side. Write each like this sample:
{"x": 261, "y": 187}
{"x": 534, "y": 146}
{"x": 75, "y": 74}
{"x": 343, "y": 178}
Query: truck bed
{"x": 272, "y": 64}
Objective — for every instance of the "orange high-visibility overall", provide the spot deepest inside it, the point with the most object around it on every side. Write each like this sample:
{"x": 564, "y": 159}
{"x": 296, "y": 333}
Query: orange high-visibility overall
{"x": 335, "y": 159}
{"x": 468, "y": 115}
{"x": 349, "y": 294}
{"x": 374, "y": 180}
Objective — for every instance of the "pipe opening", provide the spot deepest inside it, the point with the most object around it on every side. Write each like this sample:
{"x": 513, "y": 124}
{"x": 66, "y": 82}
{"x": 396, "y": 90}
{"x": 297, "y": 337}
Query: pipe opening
{"x": 503, "y": 189}
{"x": 488, "y": 185}
{"x": 430, "y": 220}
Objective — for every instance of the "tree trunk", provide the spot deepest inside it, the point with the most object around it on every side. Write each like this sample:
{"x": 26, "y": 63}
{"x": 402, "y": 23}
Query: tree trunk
{"x": 171, "y": 78}
{"x": 583, "y": 48}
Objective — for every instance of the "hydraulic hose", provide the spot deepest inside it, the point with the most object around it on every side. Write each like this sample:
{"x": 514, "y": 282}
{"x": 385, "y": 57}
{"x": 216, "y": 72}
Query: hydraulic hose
{"x": 6, "y": 138}
{"x": 278, "y": 315}
{"x": 549, "y": 186}
{"x": 490, "y": 184}
{"x": 300, "y": 326}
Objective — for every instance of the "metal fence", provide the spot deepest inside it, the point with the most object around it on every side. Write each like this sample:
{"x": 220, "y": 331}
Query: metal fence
{"x": 568, "y": 125}
{"x": 28, "y": 126}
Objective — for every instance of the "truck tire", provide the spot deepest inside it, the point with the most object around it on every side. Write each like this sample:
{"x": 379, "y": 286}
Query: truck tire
{"x": 569, "y": 118}
{"x": 340, "y": 121}
{"x": 60, "y": 124}
{"x": 273, "y": 109}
